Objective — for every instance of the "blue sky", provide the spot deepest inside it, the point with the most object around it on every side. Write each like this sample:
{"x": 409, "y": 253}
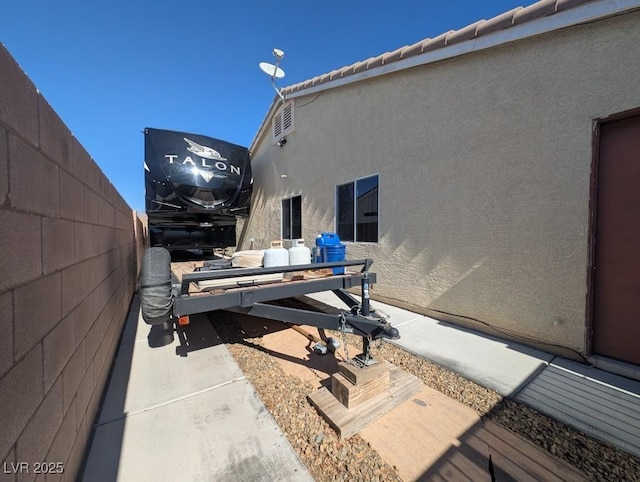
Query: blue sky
{"x": 112, "y": 68}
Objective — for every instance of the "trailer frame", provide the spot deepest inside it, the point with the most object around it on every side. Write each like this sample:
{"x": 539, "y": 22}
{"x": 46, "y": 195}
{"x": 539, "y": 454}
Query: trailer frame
{"x": 254, "y": 299}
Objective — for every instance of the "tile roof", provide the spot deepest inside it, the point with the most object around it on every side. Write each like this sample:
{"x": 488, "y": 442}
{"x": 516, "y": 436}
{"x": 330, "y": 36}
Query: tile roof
{"x": 517, "y": 16}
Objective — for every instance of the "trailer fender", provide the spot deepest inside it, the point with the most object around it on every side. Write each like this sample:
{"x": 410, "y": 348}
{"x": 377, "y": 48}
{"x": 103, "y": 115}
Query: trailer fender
{"x": 156, "y": 299}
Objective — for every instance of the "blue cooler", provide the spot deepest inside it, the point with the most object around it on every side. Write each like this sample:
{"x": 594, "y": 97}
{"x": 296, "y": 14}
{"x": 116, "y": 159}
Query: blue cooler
{"x": 329, "y": 249}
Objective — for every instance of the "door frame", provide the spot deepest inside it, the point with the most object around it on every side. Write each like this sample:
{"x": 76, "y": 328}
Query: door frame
{"x": 592, "y": 231}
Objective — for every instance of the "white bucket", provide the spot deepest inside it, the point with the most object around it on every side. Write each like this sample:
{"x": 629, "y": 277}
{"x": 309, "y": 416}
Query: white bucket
{"x": 299, "y": 253}
{"x": 276, "y": 255}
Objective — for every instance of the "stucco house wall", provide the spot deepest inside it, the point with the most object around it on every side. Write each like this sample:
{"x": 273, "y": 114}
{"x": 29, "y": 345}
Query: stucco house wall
{"x": 485, "y": 166}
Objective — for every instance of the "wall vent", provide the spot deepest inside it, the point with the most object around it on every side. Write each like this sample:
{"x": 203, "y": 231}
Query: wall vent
{"x": 283, "y": 122}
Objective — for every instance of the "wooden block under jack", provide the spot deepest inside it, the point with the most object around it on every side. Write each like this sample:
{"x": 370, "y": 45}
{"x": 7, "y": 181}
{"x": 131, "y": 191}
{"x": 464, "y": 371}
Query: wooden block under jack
{"x": 348, "y": 422}
{"x": 355, "y": 384}
{"x": 351, "y": 395}
{"x": 361, "y": 375}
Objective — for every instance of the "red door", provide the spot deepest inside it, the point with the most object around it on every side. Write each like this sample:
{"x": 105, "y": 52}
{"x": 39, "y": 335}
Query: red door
{"x": 616, "y": 288}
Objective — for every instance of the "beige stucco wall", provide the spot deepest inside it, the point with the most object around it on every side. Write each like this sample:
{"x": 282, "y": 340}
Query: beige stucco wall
{"x": 484, "y": 163}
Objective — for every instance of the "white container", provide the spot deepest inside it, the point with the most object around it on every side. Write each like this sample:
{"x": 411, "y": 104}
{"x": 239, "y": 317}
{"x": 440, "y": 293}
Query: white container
{"x": 276, "y": 255}
{"x": 251, "y": 258}
{"x": 299, "y": 253}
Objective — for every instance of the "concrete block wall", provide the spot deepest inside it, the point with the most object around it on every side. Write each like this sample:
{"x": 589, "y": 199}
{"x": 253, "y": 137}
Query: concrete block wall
{"x": 67, "y": 276}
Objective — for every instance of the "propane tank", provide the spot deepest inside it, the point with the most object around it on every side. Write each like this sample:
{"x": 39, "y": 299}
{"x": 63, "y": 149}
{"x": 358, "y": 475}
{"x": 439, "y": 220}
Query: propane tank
{"x": 299, "y": 253}
{"x": 276, "y": 255}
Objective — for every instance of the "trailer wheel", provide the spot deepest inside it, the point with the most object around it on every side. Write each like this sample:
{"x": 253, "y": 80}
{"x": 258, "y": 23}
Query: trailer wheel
{"x": 156, "y": 300}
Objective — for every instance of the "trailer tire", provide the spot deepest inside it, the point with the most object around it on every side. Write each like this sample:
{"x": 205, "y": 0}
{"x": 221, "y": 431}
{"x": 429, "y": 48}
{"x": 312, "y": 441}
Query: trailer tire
{"x": 156, "y": 300}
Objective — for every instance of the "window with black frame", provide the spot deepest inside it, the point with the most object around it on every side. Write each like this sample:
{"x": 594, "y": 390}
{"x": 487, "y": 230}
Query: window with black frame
{"x": 292, "y": 218}
{"x": 357, "y": 210}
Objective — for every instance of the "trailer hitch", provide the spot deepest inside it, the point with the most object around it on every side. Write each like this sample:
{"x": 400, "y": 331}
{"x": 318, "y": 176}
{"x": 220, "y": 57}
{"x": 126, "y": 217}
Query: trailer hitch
{"x": 371, "y": 327}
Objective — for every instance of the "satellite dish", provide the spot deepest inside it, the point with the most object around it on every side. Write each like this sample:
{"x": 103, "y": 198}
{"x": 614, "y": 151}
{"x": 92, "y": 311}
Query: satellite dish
{"x": 271, "y": 70}
{"x": 274, "y": 71}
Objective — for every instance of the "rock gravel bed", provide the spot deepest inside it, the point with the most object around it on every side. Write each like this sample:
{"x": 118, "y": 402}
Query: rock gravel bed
{"x": 330, "y": 459}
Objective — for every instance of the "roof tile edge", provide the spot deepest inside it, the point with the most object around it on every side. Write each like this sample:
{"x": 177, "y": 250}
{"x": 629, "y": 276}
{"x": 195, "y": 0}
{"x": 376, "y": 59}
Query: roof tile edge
{"x": 540, "y": 9}
{"x": 467, "y": 33}
{"x": 516, "y": 16}
{"x": 499, "y": 22}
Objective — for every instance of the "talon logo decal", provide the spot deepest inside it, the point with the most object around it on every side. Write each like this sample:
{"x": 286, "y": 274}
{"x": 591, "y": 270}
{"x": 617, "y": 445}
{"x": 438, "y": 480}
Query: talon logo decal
{"x": 204, "y": 154}
{"x": 204, "y": 151}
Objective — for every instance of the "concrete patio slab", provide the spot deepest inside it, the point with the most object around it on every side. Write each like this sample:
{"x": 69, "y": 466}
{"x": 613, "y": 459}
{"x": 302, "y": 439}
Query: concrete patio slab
{"x": 502, "y": 366}
{"x": 222, "y": 434}
{"x": 397, "y": 316}
{"x": 193, "y": 402}
{"x": 179, "y": 408}
{"x": 144, "y": 376}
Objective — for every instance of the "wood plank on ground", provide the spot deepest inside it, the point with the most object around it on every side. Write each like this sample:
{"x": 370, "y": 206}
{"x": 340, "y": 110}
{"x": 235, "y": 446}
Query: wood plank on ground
{"x": 423, "y": 432}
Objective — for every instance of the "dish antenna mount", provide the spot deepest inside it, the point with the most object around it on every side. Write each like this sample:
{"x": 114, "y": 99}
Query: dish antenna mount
{"x": 273, "y": 71}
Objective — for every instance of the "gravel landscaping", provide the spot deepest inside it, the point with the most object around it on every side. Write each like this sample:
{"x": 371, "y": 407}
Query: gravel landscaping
{"x": 330, "y": 459}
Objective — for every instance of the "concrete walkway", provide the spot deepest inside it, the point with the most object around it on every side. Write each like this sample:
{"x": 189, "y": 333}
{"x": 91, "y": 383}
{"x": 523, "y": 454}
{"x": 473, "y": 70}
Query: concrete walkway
{"x": 172, "y": 413}
{"x": 598, "y": 403}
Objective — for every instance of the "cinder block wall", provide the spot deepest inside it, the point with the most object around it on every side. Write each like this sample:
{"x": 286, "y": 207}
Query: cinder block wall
{"x": 67, "y": 274}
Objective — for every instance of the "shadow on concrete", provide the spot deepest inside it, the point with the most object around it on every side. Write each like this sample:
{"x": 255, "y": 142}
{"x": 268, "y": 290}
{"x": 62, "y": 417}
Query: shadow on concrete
{"x": 197, "y": 335}
{"x": 161, "y": 335}
{"x": 116, "y": 388}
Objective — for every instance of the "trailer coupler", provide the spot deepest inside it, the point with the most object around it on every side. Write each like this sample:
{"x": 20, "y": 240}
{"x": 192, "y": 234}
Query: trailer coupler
{"x": 371, "y": 327}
